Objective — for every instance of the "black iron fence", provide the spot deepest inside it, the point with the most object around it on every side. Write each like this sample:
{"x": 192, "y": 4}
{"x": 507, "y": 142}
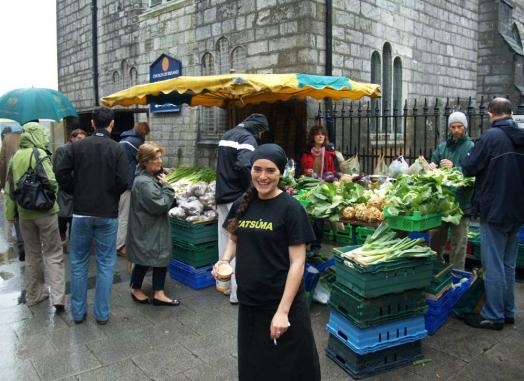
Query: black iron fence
{"x": 371, "y": 129}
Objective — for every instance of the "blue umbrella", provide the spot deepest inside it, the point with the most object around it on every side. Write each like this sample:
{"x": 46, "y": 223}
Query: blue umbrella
{"x": 24, "y": 105}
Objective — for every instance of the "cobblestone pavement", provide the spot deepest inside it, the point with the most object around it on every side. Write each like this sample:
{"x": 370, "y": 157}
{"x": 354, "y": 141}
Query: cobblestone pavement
{"x": 197, "y": 340}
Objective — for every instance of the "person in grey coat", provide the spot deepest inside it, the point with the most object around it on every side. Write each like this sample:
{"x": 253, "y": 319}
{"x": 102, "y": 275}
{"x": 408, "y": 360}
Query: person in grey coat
{"x": 151, "y": 199}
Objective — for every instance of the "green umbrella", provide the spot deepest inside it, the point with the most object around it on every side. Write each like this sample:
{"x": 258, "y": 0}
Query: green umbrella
{"x": 24, "y": 105}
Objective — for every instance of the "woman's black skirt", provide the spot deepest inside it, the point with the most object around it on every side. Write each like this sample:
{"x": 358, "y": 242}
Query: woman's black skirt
{"x": 294, "y": 357}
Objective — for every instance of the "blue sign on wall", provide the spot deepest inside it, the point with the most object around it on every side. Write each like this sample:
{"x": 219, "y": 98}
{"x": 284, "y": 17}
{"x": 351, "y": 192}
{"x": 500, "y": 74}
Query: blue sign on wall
{"x": 164, "y": 67}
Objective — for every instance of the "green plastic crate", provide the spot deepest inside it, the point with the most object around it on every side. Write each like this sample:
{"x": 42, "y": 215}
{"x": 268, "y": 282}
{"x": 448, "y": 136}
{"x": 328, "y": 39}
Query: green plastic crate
{"x": 442, "y": 277}
{"x": 196, "y": 255}
{"x": 383, "y": 278}
{"x": 362, "y": 233}
{"x": 413, "y": 223}
{"x": 344, "y": 238}
{"x": 375, "y": 311}
{"x": 182, "y": 230}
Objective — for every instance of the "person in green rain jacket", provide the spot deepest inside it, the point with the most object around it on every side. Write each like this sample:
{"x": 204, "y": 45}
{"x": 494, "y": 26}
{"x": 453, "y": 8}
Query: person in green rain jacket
{"x": 449, "y": 154}
{"x": 148, "y": 237}
{"x": 43, "y": 247}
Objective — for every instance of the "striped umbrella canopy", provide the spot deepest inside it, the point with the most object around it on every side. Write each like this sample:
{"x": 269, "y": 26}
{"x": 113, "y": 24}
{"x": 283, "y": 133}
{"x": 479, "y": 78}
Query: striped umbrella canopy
{"x": 241, "y": 89}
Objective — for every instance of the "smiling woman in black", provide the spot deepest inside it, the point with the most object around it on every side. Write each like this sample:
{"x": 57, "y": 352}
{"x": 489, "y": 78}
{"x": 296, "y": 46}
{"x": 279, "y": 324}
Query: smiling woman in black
{"x": 268, "y": 234}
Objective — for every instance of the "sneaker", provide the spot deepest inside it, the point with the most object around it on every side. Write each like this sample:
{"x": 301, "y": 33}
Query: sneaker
{"x": 477, "y": 321}
{"x": 509, "y": 320}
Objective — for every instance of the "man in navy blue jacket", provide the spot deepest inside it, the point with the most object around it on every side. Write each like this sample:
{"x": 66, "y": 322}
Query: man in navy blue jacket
{"x": 131, "y": 141}
{"x": 497, "y": 162}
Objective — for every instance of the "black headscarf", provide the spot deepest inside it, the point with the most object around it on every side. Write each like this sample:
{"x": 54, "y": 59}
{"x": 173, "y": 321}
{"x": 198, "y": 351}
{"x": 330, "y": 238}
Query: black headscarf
{"x": 272, "y": 152}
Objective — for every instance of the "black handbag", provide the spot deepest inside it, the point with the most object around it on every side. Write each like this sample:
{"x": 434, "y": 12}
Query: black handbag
{"x": 33, "y": 190}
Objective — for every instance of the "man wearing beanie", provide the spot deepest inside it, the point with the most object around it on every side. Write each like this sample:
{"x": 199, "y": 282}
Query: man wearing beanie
{"x": 234, "y": 174}
{"x": 497, "y": 162}
{"x": 449, "y": 154}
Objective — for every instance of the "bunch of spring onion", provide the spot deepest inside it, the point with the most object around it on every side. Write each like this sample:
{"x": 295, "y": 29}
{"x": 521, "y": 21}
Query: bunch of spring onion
{"x": 384, "y": 246}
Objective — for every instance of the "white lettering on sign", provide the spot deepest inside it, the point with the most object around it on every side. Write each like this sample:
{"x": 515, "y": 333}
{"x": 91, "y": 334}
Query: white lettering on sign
{"x": 166, "y": 74}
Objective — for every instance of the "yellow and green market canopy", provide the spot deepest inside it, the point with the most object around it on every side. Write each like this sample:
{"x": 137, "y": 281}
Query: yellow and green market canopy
{"x": 241, "y": 89}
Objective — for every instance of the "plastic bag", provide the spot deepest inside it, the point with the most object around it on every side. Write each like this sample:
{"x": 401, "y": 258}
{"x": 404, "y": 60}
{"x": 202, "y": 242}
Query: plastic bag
{"x": 290, "y": 169}
{"x": 398, "y": 167}
{"x": 419, "y": 166}
{"x": 199, "y": 189}
{"x": 212, "y": 187}
{"x": 350, "y": 166}
{"x": 381, "y": 168}
{"x": 192, "y": 208}
{"x": 321, "y": 293}
{"x": 177, "y": 212}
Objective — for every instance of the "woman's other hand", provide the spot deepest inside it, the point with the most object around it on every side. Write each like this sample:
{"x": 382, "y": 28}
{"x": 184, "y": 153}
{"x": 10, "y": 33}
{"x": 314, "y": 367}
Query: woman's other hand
{"x": 162, "y": 178}
{"x": 279, "y": 325}
{"x": 308, "y": 172}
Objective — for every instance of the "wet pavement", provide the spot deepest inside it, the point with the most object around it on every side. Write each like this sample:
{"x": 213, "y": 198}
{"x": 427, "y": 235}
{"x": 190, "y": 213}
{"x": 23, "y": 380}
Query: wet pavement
{"x": 197, "y": 340}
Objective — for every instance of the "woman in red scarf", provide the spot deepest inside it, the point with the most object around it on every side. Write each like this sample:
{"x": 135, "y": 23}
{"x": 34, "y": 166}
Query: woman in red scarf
{"x": 320, "y": 157}
{"x": 316, "y": 161}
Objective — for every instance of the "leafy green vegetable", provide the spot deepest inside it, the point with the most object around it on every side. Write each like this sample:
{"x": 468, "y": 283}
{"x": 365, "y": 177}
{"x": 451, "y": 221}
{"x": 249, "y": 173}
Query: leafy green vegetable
{"x": 383, "y": 246}
{"x": 192, "y": 174}
{"x": 453, "y": 177}
{"x": 425, "y": 193}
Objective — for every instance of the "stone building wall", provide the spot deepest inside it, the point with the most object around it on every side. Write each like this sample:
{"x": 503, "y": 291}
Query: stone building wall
{"x": 74, "y": 44}
{"x": 446, "y": 48}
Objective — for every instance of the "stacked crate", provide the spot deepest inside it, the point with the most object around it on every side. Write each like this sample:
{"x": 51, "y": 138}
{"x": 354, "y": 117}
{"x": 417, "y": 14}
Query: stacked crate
{"x": 195, "y": 250}
{"x": 446, "y": 289}
{"x": 377, "y": 314}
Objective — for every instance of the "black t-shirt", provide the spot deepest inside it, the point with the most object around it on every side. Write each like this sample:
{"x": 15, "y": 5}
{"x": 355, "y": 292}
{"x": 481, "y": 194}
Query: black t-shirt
{"x": 264, "y": 235}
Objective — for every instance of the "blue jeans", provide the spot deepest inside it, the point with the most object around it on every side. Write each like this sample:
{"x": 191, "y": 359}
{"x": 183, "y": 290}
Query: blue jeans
{"x": 83, "y": 231}
{"x": 498, "y": 245}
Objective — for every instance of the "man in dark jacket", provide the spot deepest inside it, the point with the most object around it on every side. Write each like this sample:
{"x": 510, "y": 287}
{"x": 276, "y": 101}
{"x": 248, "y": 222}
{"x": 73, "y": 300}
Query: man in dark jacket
{"x": 234, "y": 174}
{"x": 131, "y": 141}
{"x": 95, "y": 171}
{"x": 449, "y": 154}
{"x": 497, "y": 161}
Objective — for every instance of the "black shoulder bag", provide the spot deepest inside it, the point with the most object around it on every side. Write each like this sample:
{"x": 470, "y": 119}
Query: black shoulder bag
{"x": 33, "y": 191}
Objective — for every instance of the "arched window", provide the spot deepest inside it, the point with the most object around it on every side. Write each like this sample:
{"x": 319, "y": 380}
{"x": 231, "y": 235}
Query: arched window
{"x": 397, "y": 83}
{"x": 516, "y": 34}
{"x": 133, "y": 76}
{"x": 386, "y": 77}
{"x": 208, "y": 64}
{"x": 238, "y": 59}
{"x": 117, "y": 85}
{"x": 223, "y": 55}
{"x": 376, "y": 68}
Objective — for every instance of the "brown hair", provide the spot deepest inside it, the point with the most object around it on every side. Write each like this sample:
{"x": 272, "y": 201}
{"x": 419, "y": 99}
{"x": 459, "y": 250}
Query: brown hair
{"x": 142, "y": 128}
{"x": 146, "y": 152}
{"x": 247, "y": 197}
{"x": 315, "y": 130}
{"x": 77, "y": 132}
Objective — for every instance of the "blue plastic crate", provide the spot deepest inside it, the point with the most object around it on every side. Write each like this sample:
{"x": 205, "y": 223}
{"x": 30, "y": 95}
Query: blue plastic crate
{"x": 415, "y": 235}
{"x": 196, "y": 278}
{"x": 368, "y": 340}
{"x": 521, "y": 234}
{"x": 312, "y": 273}
{"x": 440, "y": 310}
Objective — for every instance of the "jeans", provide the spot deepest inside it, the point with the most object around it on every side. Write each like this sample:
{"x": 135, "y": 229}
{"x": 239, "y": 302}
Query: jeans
{"x": 498, "y": 245}
{"x": 139, "y": 272}
{"x": 103, "y": 231}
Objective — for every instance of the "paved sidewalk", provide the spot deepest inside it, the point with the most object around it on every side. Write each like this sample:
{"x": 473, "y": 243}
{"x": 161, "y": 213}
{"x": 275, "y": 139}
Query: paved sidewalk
{"x": 197, "y": 340}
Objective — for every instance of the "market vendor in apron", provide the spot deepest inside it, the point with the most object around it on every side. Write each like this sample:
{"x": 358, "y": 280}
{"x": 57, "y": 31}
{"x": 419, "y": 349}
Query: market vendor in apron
{"x": 268, "y": 234}
{"x": 449, "y": 154}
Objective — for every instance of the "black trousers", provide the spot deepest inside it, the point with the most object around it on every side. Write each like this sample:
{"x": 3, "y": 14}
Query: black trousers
{"x": 63, "y": 222}
{"x": 295, "y": 356}
{"x": 139, "y": 272}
